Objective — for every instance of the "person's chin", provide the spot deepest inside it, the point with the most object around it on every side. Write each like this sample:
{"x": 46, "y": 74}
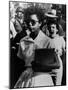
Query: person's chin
{"x": 33, "y": 30}
{"x": 53, "y": 36}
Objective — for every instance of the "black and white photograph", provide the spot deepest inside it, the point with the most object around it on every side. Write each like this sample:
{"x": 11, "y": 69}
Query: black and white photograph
{"x": 37, "y": 44}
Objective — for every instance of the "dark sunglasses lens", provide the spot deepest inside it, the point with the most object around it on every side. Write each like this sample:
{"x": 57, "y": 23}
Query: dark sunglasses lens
{"x": 32, "y": 22}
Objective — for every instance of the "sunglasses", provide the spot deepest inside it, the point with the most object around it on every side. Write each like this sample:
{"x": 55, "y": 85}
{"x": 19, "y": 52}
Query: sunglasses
{"x": 33, "y": 22}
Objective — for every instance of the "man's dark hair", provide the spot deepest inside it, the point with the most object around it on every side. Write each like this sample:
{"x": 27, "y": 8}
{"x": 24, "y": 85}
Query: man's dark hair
{"x": 33, "y": 10}
{"x": 53, "y": 22}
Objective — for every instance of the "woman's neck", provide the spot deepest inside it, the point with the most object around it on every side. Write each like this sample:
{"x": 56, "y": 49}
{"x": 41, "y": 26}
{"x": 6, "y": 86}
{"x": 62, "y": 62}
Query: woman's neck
{"x": 54, "y": 35}
{"x": 34, "y": 34}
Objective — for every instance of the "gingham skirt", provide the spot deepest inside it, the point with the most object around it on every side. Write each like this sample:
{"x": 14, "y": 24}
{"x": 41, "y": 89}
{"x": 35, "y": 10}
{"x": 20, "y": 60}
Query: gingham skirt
{"x": 33, "y": 79}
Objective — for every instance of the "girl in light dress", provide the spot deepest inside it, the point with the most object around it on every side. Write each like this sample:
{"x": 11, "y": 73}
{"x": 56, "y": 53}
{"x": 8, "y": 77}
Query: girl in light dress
{"x": 58, "y": 43}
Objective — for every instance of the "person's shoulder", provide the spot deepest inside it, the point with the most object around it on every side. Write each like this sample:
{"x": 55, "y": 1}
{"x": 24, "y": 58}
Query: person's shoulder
{"x": 61, "y": 39}
{"x": 44, "y": 35}
{"x": 46, "y": 39}
{"x": 12, "y": 19}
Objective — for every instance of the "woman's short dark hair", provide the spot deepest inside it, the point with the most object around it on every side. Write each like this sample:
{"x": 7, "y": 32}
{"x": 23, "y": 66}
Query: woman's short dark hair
{"x": 53, "y": 22}
{"x": 33, "y": 10}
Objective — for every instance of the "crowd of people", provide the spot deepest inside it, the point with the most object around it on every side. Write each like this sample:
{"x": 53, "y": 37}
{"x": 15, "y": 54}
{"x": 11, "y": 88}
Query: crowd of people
{"x": 32, "y": 29}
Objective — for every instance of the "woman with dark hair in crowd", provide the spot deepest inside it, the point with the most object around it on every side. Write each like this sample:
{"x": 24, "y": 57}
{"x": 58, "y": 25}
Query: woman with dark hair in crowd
{"x": 53, "y": 19}
{"x": 58, "y": 43}
{"x": 35, "y": 40}
{"x": 50, "y": 16}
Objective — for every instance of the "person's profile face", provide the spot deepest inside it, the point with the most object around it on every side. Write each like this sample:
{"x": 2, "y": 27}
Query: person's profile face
{"x": 34, "y": 22}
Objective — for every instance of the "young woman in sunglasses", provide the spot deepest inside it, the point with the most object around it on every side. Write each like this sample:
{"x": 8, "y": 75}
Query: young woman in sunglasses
{"x": 36, "y": 39}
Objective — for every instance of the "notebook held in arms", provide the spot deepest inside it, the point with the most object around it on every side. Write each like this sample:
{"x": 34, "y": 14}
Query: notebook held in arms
{"x": 45, "y": 60}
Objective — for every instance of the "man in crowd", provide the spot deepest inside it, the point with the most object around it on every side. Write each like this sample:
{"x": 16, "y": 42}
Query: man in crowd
{"x": 17, "y": 29}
